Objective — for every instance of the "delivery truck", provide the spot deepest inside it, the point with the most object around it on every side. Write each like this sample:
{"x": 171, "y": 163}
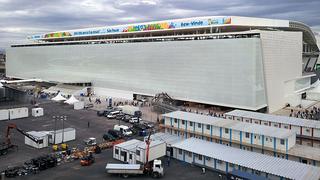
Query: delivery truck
{"x": 131, "y": 110}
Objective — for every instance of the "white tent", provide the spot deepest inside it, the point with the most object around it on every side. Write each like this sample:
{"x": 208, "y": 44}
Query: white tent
{"x": 71, "y": 100}
{"x": 59, "y": 97}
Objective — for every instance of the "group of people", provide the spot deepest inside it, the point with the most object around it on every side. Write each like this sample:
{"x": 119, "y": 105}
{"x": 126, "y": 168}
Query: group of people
{"x": 314, "y": 114}
{"x": 210, "y": 113}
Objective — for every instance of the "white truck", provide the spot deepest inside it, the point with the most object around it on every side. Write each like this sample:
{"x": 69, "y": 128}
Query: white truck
{"x": 125, "y": 130}
{"x": 125, "y": 170}
{"x": 131, "y": 110}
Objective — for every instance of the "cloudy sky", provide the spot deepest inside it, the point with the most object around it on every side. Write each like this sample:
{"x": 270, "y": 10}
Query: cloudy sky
{"x": 19, "y": 18}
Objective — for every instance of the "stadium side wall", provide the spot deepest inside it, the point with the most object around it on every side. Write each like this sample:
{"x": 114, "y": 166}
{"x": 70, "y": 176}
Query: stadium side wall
{"x": 224, "y": 72}
{"x": 282, "y": 59}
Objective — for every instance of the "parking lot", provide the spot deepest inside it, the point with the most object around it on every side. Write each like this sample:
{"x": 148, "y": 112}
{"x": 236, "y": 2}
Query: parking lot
{"x": 77, "y": 119}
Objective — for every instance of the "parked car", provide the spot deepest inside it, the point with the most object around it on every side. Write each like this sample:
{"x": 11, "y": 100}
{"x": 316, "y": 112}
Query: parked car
{"x": 100, "y": 113}
{"x": 126, "y": 118}
{"x": 134, "y": 120}
{"x": 119, "y": 116}
{"x": 87, "y": 106}
{"x": 148, "y": 124}
{"x": 90, "y": 141}
{"x": 113, "y": 114}
{"x": 115, "y": 134}
{"x": 139, "y": 129}
{"x": 108, "y": 137}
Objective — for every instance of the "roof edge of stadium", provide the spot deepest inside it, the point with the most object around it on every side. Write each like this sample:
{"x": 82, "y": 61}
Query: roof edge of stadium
{"x": 218, "y": 20}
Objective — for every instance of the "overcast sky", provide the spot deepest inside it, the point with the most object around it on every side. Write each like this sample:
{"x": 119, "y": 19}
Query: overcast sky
{"x": 20, "y": 18}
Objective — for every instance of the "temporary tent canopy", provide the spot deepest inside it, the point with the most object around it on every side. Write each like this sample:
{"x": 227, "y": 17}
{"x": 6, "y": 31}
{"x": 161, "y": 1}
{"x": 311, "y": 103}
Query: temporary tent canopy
{"x": 59, "y": 97}
{"x": 71, "y": 100}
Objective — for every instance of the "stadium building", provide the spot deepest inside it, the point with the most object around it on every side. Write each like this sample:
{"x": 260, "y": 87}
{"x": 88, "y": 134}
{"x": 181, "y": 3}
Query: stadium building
{"x": 238, "y": 62}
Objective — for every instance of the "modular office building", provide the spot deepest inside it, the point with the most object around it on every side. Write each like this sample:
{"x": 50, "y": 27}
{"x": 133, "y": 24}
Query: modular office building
{"x": 232, "y": 61}
{"x": 252, "y": 137}
{"x": 227, "y": 159}
{"x": 308, "y": 131}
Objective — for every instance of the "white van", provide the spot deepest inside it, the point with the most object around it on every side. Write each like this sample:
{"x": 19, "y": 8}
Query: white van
{"x": 113, "y": 114}
{"x": 123, "y": 129}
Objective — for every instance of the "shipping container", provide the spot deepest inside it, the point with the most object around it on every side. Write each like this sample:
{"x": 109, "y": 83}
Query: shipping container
{"x": 17, "y": 113}
{"x": 4, "y": 114}
{"x": 41, "y": 136}
{"x": 68, "y": 134}
{"x": 36, "y": 112}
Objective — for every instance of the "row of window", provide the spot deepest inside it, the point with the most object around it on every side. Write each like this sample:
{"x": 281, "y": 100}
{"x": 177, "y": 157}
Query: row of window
{"x": 247, "y": 135}
{"x": 267, "y": 123}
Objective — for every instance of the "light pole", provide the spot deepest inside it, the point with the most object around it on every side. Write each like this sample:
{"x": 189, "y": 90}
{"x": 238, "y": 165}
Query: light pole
{"x": 63, "y": 119}
{"x": 55, "y": 127}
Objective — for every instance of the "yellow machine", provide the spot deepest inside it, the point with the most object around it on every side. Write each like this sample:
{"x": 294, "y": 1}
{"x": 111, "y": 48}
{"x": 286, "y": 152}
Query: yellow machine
{"x": 55, "y": 147}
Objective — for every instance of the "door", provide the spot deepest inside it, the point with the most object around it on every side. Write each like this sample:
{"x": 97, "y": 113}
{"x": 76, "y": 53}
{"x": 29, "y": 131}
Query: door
{"x": 125, "y": 156}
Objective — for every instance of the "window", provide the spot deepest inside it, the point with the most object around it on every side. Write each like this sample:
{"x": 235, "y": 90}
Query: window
{"x": 255, "y": 137}
{"x": 219, "y": 162}
{"x": 256, "y": 122}
{"x": 247, "y": 120}
{"x": 199, "y": 125}
{"x": 208, "y": 126}
{"x": 189, "y": 154}
{"x": 175, "y": 120}
{"x": 208, "y": 158}
{"x": 286, "y": 127}
{"x": 275, "y": 125}
{"x": 138, "y": 153}
{"x": 130, "y": 156}
{"x": 40, "y": 141}
{"x": 266, "y": 123}
{"x": 191, "y": 124}
{"x": 307, "y": 130}
{"x": 117, "y": 151}
{"x": 282, "y": 141}
{"x": 182, "y": 121}
{"x": 123, "y": 153}
{"x": 180, "y": 151}
{"x": 226, "y": 131}
{"x": 231, "y": 165}
{"x": 200, "y": 157}
{"x": 247, "y": 135}
{"x": 270, "y": 139}
{"x": 266, "y": 139}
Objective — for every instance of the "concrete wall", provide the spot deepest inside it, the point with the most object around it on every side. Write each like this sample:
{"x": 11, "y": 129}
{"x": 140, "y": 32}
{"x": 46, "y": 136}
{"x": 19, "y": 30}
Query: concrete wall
{"x": 281, "y": 51}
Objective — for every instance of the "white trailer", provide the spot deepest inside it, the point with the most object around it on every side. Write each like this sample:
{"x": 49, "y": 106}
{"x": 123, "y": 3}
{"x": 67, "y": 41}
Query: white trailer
{"x": 68, "y": 134}
{"x": 136, "y": 169}
{"x": 131, "y": 110}
{"x": 37, "y": 112}
{"x": 17, "y": 113}
{"x": 126, "y": 151}
{"x": 157, "y": 149}
{"x": 4, "y": 114}
{"x": 41, "y": 136}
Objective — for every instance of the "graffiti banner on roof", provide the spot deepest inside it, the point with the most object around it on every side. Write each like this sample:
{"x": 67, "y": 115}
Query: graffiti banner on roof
{"x": 152, "y": 26}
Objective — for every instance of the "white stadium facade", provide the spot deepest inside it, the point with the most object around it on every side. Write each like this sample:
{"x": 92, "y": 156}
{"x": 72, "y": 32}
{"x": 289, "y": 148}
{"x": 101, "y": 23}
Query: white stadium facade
{"x": 239, "y": 62}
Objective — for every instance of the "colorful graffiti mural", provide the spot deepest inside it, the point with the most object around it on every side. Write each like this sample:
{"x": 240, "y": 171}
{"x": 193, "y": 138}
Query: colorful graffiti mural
{"x": 173, "y": 24}
{"x": 57, "y": 35}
